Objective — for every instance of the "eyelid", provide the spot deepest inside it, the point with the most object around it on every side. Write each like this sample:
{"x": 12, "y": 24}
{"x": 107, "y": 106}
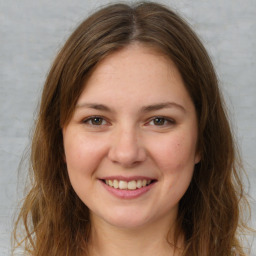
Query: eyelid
{"x": 170, "y": 121}
{"x": 90, "y": 118}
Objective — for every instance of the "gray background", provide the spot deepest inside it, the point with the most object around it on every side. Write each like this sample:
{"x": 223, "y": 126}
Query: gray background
{"x": 31, "y": 32}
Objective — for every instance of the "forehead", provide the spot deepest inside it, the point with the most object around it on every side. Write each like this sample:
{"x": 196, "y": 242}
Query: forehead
{"x": 136, "y": 70}
{"x": 140, "y": 55}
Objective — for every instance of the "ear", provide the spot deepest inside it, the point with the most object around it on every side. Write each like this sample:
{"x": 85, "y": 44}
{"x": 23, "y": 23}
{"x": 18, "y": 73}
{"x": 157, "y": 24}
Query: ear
{"x": 197, "y": 157}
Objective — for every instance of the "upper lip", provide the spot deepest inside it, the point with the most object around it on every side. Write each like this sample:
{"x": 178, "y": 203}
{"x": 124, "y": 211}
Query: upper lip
{"x": 127, "y": 178}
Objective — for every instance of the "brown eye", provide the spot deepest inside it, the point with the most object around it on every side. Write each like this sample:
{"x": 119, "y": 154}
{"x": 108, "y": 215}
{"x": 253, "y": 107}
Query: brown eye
{"x": 159, "y": 121}
{"x": 96, "y": 121}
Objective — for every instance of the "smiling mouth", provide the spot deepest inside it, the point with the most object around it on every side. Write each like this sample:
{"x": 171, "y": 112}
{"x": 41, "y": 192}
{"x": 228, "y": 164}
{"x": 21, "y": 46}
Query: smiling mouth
{"x": 128, "y": 185}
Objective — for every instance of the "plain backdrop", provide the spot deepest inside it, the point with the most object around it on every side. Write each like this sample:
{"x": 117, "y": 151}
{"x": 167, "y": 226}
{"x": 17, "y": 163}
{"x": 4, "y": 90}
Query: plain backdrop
{"x": 31, "y": 33}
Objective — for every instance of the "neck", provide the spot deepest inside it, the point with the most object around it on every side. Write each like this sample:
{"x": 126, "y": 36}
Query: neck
{"x": 155, "y": 239}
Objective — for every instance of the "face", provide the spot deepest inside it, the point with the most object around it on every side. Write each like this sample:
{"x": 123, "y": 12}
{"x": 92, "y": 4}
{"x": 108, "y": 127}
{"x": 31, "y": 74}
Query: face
{"x": 130, "y": 146}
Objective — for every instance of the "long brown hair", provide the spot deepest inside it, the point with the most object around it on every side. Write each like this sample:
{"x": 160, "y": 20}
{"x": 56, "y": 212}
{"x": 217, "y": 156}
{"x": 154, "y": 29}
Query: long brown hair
{"x": 56, "y": 221}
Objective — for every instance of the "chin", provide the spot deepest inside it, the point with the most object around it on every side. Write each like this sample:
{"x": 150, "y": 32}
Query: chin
{"x": 125, "y": 220}
{"x": 129, "y": 223}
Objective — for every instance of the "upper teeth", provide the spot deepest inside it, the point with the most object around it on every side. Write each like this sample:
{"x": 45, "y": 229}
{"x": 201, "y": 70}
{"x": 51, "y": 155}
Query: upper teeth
{"x": 130, "y": 185}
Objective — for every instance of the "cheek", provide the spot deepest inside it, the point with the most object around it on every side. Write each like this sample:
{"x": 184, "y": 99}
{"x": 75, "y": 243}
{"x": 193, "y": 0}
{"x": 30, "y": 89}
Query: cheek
{"x": 175, "y": 152}
{"x": 82, "y": 154}
{"x": 175, "y": 158}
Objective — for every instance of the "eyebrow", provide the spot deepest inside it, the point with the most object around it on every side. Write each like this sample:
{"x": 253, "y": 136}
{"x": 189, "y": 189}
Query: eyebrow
{"x": 160, "y": 106}
{"x": 149, "y": 108}
{"x": 94, "y": 106}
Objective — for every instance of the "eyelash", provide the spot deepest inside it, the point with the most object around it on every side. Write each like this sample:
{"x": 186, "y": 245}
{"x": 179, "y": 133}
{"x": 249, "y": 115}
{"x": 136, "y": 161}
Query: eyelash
{"x": 163, "y": 121}
{"x": 167, "y": 121}
{"x": 90, "y": 119}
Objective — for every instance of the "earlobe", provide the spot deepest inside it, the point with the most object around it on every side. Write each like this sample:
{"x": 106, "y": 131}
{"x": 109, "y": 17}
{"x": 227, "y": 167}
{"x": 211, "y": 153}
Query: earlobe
{"x": 197, "y": 157}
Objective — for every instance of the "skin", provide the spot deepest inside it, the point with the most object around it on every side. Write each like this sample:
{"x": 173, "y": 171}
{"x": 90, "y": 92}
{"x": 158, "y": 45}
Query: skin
{"x": 127, "y": 92}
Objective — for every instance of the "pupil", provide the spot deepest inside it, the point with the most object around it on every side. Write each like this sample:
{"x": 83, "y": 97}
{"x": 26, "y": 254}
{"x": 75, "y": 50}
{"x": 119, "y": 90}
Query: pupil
{"x": 159, "y": 121}
{"x": 97, "y": 120}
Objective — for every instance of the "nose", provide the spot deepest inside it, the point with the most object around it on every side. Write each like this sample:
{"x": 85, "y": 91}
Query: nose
{"x": 127, "y": 148}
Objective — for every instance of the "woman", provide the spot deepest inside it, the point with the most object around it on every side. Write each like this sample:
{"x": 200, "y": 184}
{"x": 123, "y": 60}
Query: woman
{"x": 132, "y": 152}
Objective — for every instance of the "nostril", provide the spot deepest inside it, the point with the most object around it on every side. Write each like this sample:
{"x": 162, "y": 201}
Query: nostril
{"x": 125, "y": 149}
{"x": 126, "y": 157}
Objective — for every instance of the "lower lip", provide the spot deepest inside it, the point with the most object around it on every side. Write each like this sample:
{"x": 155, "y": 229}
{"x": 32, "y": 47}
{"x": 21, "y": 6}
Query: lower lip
{"x": 128, "y": 194}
